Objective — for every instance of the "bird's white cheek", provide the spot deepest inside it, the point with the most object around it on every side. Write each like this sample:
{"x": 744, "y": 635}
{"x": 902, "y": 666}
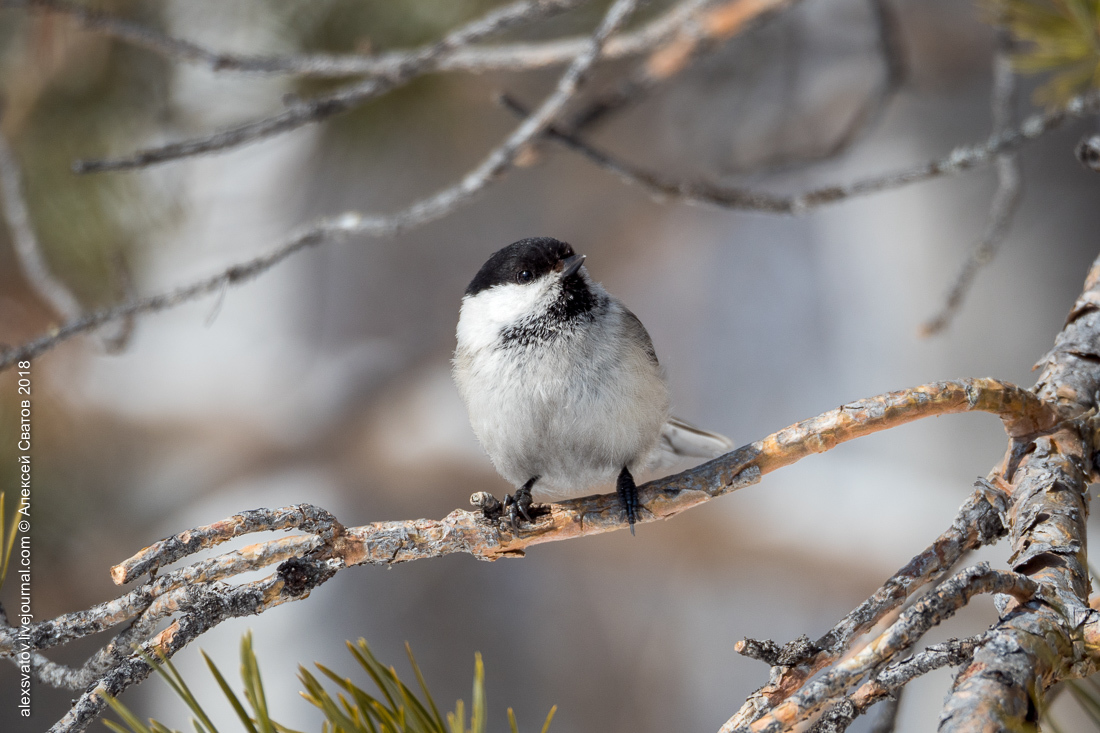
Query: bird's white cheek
{"x": 485, "y": 315}
{"x": 474, "y": 331}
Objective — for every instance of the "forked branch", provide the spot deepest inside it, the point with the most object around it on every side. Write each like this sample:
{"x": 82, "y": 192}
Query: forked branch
{"x": 1038, "y": 642}
{"x": 196, "y": 597}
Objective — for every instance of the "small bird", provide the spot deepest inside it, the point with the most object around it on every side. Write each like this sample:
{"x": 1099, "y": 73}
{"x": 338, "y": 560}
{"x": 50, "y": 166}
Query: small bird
{"x": 561, "y": 381}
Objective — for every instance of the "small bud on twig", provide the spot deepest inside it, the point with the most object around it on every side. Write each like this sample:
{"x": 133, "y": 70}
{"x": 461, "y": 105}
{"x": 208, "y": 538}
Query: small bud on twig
{"x": 1088, "y": 152}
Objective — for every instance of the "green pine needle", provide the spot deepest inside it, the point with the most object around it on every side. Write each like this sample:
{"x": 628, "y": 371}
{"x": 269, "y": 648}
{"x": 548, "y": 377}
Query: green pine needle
{"x": 243, "y": 716}
{"x": 7, "y": 538}
{"x": 457, "y": 719}
{"x": 167, "y": 670}
{"x": 253, "y": 685}
{"x": 479, "y": 714}
{"x": 424, "y": 687}
{"x": 549, "y": 718}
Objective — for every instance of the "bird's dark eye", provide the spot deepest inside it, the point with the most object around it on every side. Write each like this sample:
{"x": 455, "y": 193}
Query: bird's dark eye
{"x": 525, "y": 276}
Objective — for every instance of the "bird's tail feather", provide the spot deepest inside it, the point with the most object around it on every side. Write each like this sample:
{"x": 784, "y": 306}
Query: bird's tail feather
{"x": 682, "y": 439}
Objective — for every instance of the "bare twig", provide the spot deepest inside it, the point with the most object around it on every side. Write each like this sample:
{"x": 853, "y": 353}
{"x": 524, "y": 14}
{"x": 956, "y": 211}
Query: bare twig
{"x": 304, "y": 517}
{"x": 295, "y": 116}
{"x": 930, "y": 610}
{"x": 28, "y": 252}
{"x": 691, "y": 41}
{"x": 888, "y": 684}
{"x": 335, "y": 228}
{"x": 469, "y": 58}
{"x": 1005, "y": 200}
{"x": 895, "y": 676}
{"x": 697, "y": 26}
{"x": 677, "y": 36}
{"x": 218, "y": 602}
{"x": 978, "y": 522}
{"x": 420, "y": 212}
{"x": 97, "y": 619}
{"x": 961, "y": 159}
{"x": 320, "y": 108}
{"x": 494, "y": 21}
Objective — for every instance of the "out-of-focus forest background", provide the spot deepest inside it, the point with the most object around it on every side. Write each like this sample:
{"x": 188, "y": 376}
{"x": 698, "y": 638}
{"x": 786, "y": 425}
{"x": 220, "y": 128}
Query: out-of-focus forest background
{"x": 327, "y": 380}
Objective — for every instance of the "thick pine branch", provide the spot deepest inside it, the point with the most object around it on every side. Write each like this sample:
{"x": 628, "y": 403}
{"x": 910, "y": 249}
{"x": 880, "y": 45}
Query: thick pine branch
{"x": 1038, "y": 642}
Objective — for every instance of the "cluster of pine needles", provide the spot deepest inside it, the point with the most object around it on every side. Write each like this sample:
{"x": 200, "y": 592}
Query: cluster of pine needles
{"x": 1056, "y": 37}
{"x": 394, "y": 708}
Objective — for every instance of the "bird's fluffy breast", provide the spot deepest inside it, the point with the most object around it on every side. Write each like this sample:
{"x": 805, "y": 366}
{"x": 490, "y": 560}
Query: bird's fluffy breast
{"x": 573, "y": 409}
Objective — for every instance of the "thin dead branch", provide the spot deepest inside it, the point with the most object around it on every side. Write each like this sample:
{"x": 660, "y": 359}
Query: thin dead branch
{"x": 887, "y": 686}
{"x": 715, "y": 15}
{"x": 694, "y": 23}
{"x": 963, "y": 158}
{"x": 28, "y": 251}
{"x": 691, "y": 42}
{"x": 494, "y": 21}
{"x": 698, "y": 27}
{"x": 980, "y": 521}
{"x": 931, "y": 609}
{"x": 1006, "y": 199}
{"x": 320, "y": 108}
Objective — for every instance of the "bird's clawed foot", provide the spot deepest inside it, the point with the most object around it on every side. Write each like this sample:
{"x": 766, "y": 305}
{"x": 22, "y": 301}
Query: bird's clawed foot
{"x": 515, "y": 507}
{"x": 628, "y": 494}
{"x": 519, "y": 505}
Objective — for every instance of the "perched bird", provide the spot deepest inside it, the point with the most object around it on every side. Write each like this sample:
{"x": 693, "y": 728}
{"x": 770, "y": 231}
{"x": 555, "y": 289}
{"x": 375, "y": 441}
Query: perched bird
{"x": 561, "y": 381}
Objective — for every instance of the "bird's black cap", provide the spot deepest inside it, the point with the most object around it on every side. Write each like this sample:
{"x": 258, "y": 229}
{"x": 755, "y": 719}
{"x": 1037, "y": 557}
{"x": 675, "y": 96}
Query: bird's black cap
{"x": 520, "y": 262}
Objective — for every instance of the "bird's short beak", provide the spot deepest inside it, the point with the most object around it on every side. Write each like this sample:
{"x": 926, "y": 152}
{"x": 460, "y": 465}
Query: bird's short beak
{"x": 571, "y": 265}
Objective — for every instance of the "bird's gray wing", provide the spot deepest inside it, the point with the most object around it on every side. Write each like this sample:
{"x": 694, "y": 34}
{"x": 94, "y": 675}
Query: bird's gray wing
{"x": 635, "y": 331}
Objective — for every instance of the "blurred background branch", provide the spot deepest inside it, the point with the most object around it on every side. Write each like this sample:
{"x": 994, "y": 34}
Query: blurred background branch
{"x": 25, "y": 243}
{"x": 1006, "y": 199}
